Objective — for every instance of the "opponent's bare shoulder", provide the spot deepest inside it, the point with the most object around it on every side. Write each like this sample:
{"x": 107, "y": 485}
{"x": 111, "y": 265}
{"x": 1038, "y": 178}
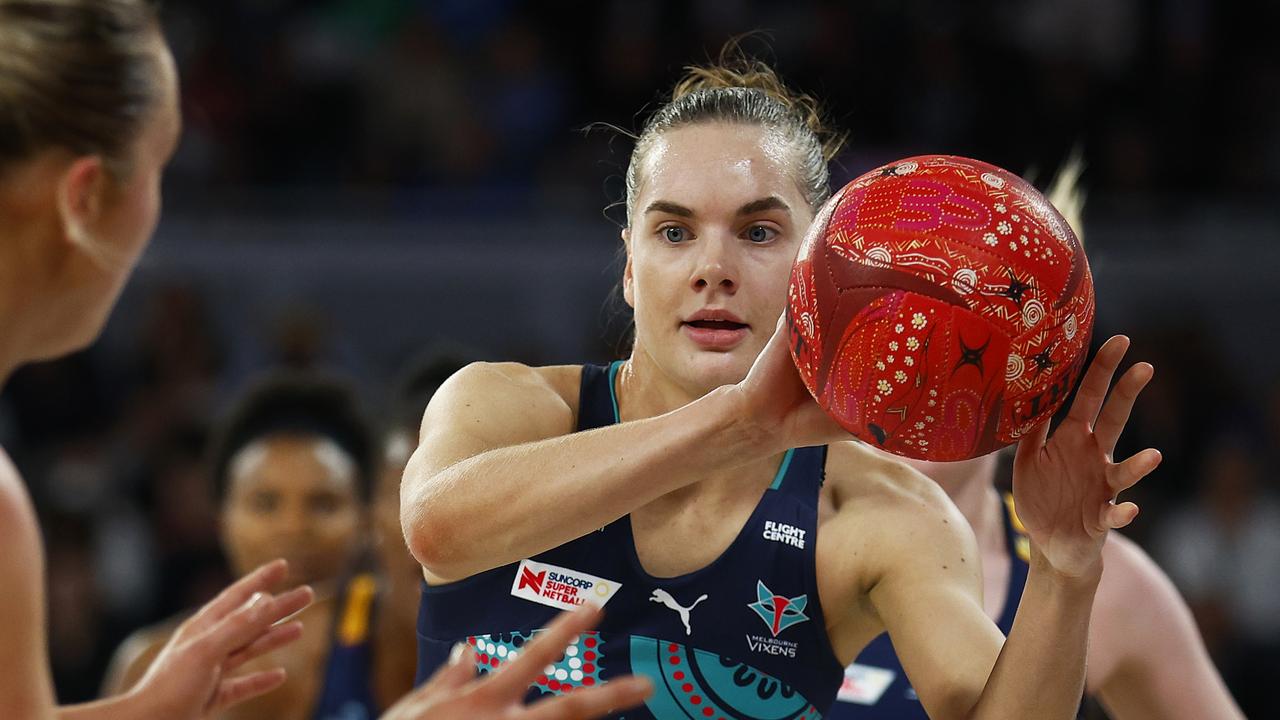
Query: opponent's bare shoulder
{"x": 1133, "y": 593}
{"x": 1136, "y": 610}
{"x": 1146, "y": 656}
{"x": 25, "y": 687}
{"x": 491, "y": 401}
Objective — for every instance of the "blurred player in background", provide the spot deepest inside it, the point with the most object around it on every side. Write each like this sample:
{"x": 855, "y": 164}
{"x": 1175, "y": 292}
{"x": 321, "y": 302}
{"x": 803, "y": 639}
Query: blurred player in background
{"x": 292, "y": 468}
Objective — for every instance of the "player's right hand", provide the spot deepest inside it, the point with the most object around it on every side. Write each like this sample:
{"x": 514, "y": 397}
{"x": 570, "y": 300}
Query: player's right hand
{"x": 774, "y": 397}
{"x": 455, "y": 692}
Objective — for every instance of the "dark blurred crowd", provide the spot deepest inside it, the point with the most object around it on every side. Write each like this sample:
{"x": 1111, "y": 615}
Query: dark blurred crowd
{"x": 469, "y": 100}
{"x": 1171, "y": 96}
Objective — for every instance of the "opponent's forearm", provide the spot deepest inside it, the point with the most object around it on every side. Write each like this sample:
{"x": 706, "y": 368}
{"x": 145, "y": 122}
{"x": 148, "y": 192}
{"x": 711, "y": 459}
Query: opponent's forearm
{"x": 546, "y": 493}
{"x": 1041, "y": 669}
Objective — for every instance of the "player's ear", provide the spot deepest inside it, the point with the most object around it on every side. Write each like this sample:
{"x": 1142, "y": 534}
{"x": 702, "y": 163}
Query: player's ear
{"x": 628, "y": 279}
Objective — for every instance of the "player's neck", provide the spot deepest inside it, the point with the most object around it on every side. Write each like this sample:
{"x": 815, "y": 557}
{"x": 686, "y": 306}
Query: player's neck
{"x": 20, "y": 305}
{"x": 644, "y": 390}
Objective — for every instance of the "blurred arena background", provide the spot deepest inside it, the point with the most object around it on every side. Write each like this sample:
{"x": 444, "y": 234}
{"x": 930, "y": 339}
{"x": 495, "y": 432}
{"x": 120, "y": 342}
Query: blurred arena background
{"x": 363, "y": 180}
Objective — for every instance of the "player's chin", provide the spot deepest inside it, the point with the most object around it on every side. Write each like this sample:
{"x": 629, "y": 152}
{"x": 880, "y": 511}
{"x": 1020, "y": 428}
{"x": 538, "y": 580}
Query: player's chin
{"x": 714, "y": 368}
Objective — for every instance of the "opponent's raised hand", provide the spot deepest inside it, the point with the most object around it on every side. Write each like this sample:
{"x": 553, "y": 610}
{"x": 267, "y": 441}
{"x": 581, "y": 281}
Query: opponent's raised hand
{"x": 191, "y": 677}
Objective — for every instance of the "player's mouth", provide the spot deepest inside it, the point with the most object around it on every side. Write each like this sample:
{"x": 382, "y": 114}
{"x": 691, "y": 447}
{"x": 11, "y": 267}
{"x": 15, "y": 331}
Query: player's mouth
{"x": 715, "y": 329}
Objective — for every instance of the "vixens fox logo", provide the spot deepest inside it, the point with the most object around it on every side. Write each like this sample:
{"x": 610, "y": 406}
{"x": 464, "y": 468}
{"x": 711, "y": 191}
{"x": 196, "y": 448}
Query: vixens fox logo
{"x": 778, "y": 612}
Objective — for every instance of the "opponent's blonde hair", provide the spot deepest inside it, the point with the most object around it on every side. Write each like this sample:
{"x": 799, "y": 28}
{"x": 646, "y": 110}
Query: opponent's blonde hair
{"x": 1067, "y": 194}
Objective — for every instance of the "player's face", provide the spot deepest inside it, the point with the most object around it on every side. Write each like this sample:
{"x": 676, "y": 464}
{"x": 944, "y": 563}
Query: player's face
{"x": 296, "y": 497}
{"x": 717, "y": 221}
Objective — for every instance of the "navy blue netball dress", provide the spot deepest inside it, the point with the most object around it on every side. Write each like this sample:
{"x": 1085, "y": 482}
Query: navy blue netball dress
{"x": 347, "y": 693}
{"x": 742, "y": 638}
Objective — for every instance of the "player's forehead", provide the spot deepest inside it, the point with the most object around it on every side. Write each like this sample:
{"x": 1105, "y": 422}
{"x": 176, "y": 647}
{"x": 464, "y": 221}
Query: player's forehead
{"x": 717, "y": 166}
{"x": 292, "y": 462}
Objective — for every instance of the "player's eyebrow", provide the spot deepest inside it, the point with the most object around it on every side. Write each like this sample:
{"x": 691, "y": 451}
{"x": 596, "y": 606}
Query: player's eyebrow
{"x": 666, "y": 206}
{"x": 773, "y": 202}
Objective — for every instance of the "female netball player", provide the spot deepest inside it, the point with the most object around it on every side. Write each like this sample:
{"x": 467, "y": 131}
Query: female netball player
{"x": 293, "y": 464}
{"x": 1146, "y": 659}
{"x": 88, "y": 119}
{"x": 744, "y": 551}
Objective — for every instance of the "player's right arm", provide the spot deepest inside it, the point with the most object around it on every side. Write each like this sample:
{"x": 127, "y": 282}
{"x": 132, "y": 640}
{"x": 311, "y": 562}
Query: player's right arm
{"x": 500, "y": 474}
{"x": 26, "y": 689}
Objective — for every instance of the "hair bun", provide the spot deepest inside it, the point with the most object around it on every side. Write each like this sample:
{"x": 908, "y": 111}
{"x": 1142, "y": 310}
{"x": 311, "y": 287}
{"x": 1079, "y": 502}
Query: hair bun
{"x": 736, "y": 69}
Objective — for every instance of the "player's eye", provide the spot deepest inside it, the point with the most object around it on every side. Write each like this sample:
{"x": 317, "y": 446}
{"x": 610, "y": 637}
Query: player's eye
{"x": 264, "y": 502}
{"x": 675, "y": 234}
{"x": 761, "y": 234}
{"x": 324, "y": 504}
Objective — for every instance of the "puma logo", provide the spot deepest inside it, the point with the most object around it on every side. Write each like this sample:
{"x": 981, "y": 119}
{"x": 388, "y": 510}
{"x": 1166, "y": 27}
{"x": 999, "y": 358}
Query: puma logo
{"x": 664, "y": 597}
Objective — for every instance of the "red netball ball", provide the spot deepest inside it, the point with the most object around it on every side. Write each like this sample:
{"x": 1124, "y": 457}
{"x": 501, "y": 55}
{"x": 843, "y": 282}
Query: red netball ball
{"x": 940, "y": 308}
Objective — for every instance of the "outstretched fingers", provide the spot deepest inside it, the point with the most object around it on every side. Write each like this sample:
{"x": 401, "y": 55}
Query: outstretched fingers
{"x": 276, "y": 637}
{"x": 515, "y": 677}
{"x": 262, "y": 579}
{"x": 1115, "y": 413}
{"x": 1115, "y": 517}
{"x": 238, "y": 689}
{"x": 1122, "y": 476}
{"x": 1097, "y": 380}
{"x": 241, "y": 628}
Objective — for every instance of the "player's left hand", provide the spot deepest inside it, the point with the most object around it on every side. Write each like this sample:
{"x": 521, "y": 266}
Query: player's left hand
{"x": 1065, "y": 488}
{"x": 190, "y": 678}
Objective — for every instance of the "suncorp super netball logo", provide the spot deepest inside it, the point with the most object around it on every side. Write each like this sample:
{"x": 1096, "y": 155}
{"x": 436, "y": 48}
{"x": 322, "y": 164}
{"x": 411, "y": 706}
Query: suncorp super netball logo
{"x": 560, "y": 587}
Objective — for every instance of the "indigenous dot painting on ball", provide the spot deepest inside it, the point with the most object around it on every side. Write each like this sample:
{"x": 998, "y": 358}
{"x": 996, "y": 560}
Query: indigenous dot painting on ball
{"x": 940, "y": 308}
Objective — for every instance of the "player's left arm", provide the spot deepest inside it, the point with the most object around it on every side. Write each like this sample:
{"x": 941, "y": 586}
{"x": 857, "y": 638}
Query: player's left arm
{"x": 916, "y": 574}
{"x": 1146, "y": 657}
{"x": 1065, "y": 487}
{"x": 921, "y": 568}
